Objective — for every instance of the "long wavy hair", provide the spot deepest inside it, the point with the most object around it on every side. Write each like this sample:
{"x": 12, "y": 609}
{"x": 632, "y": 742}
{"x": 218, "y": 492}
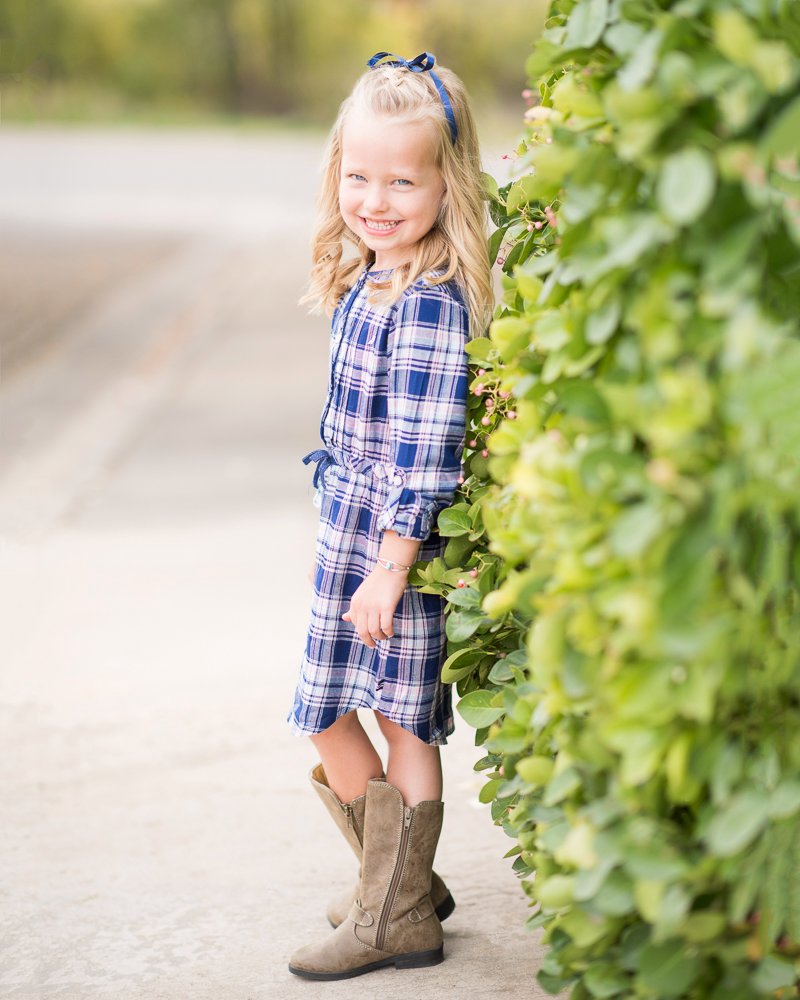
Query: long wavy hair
{"x": 457, "y": 240}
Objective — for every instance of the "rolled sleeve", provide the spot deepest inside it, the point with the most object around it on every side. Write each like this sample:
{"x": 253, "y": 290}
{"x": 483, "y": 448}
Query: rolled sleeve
{"x": 427, "y": 410}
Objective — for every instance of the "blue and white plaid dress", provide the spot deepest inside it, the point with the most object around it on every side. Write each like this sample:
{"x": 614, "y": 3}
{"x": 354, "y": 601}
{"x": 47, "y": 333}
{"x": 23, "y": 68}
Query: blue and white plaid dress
{"x": 393, "y": 427}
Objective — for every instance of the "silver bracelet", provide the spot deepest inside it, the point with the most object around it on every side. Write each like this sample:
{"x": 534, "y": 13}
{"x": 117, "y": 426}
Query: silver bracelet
{"x": 395, "y": 567}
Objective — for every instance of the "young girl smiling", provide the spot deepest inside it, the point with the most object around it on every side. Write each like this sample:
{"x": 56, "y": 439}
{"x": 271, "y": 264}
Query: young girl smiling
{"x": 401, "y": 182}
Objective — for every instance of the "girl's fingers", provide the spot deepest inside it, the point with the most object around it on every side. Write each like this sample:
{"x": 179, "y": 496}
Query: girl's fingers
{"x": 371, "y": 628}
{"x": 386, "y": 624}
{"x": 374, "y": 626}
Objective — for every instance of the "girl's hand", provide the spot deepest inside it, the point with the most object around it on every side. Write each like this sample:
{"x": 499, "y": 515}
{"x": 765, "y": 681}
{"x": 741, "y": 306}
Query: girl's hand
{"x": 372, "y": 605}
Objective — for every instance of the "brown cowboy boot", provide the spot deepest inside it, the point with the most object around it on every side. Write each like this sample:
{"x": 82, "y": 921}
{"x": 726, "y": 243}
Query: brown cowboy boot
{"x": 350, "y": 820}
{"x": 392, "y": 922}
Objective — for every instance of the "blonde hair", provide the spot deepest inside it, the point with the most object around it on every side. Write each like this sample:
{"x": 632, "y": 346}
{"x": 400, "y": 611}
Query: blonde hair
{"x": 457, "y": 240}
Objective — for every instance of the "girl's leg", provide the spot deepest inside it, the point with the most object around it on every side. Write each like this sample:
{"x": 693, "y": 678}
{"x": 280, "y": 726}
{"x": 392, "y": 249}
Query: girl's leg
{"x": 414, "y": 767}
{"x": 348, "y": 756}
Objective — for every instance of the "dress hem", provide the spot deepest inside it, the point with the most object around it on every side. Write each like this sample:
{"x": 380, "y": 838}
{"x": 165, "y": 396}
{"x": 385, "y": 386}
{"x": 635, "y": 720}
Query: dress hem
{"x": 439, "y": 741}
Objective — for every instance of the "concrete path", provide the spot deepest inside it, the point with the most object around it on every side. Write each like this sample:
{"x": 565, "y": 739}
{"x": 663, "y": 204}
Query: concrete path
{"x": 159, "y": 384}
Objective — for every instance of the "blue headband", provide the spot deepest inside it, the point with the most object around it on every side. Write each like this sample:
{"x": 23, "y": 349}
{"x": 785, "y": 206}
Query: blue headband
{"x": 423, "y": 63}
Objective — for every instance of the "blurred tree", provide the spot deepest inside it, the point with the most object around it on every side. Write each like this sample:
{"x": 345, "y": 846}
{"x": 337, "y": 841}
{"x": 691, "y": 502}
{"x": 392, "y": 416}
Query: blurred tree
{"x": 258, "y": 57}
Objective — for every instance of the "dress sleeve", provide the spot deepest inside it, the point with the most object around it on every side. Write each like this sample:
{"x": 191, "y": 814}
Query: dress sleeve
{"x": 427, "y": 410}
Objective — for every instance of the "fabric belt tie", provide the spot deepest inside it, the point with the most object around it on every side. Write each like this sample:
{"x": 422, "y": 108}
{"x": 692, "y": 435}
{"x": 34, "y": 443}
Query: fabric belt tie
{"x": 323, "y": 458}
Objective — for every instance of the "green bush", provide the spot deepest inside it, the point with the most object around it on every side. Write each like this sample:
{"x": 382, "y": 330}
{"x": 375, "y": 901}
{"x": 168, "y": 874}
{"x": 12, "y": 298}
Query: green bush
{"x": 624, "y": 557}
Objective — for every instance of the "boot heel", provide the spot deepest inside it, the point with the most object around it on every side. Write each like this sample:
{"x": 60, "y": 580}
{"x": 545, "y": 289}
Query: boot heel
{"x": 445, "y": 908}
{"x": 420, "y": 959}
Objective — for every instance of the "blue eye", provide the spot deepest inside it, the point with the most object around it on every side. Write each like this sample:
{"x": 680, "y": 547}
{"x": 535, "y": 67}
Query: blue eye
{"x": 403, "y": 181}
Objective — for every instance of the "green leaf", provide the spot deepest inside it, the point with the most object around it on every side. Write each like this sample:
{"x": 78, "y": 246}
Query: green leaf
{"x": 784, "y": 800}
{"x": 454, "y": 521}
{"x": 641, "y": 65}
{"x": 495, "y": 242}
{"x": 501, "y": 672}
{"x": 535, "y": 770}
{"x": 773, "y": 973}
{"x": 562, "y": 786}
{"x": 521, "y": 193}
{"x": 509, "y": 334}
{"x": 556, "y": 891}
{"x": 460, "y": 625}
{"x": 615, "y": 895}
{"x": 635, "y": 528}
{"x": 667, "y": 969}
{"x": 586, "y": 24}
{"x": 479, "y": 348}
{"x": 464, "y": 597}
{"x": 603, "y": 979}
{"x": 490, "y": 186}
{"x": 477, "y": 710}
{"x": 487, "y": 792}
{"x": 734, "y": 826}
{"x": 581, "y": 399}
{"x": 700, "y": 927}
{"x": 781, "y": 138}
{"x": 602, "y": 322}
{"x": 460, "y": 664}
{"x": 686, "y": 185}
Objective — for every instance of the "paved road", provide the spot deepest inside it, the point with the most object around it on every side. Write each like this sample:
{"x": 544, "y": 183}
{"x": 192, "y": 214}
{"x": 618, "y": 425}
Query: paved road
{"x": 158, "y": 385}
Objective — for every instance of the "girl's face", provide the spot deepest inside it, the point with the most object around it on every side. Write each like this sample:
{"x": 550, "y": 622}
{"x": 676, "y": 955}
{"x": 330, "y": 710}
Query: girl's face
{"x": 389, "y": 188}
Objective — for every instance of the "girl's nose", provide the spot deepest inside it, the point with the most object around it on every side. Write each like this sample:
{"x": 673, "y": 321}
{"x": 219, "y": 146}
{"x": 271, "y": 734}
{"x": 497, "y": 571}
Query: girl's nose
{"x": 375, "y": 200}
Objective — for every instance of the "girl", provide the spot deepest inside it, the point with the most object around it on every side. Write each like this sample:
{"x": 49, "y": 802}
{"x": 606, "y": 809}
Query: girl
{"x": 401, "y": 181}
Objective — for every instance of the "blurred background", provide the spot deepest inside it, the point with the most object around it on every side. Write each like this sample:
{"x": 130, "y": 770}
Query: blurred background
{"x": 287, "y": 62}
{"x": 159, "y": 162}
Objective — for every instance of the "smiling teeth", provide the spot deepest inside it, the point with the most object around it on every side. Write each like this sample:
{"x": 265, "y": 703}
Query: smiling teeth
{"x": 381, "y": 225}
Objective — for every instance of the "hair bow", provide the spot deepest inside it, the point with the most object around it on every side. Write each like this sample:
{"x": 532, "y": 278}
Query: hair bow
{"x": 423, "y": 63}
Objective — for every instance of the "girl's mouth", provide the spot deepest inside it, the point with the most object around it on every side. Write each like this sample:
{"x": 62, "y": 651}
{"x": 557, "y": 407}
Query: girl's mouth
{"x": 380, "y": 228}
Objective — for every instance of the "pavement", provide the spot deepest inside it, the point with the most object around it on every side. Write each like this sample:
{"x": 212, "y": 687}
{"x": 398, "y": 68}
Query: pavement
{"x": 158, "y": 385}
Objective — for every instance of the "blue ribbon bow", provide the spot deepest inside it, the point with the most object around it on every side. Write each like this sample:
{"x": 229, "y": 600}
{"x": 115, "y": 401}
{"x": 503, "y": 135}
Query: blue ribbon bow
{"x": 423, "y": 63}
{"x": 323, "y": 459}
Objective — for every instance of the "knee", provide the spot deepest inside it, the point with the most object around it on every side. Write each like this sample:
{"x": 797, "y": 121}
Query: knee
{"x": 344, "y": 726}
{"x": 395, "y": 735}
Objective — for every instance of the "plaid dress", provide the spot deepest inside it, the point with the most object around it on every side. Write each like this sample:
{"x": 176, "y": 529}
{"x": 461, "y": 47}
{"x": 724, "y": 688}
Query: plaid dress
{"x": 393, "y": 426}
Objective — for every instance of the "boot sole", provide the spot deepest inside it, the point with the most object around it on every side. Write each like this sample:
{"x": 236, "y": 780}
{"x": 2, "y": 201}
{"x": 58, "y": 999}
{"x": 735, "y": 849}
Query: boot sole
{"x": 443, "y": 910}
{"x": 412, "y": 960}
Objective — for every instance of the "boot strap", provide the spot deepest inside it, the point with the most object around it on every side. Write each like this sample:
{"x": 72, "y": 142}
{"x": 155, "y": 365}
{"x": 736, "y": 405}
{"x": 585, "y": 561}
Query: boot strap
{"x": 360, "y": 916}
{"x": 421, "y": 911}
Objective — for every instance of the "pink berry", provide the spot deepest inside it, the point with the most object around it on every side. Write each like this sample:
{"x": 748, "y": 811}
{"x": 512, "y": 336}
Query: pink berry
{"x": 512, "y": 414}
{"x": 473, "y": 443}
{"x": 504, "y": 393}
{"x": 527, "y": 93}
{"x": 538, "y": 225}
{"x": 462, "y": 583}
{"x": 481, "y": 371}
{"x": 530, "y": 227}
{"x": 485, "y": 453}
{"x": 485, "y": 421}
{"x": 460, "y": 479}
{"x": 473, "y": 573}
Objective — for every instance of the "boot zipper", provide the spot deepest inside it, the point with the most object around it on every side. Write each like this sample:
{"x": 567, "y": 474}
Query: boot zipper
{"x": 394, "y": 885}
{"x": 348, "y": 811}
